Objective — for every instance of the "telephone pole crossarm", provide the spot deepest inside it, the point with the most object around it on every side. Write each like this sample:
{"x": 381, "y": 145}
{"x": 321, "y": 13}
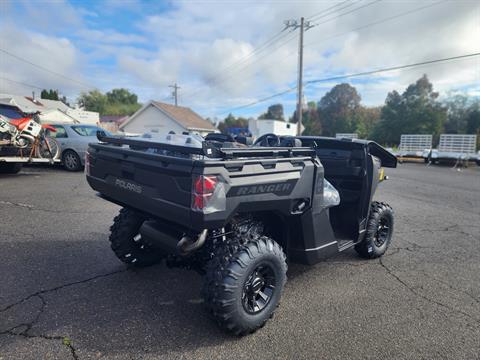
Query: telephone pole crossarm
{"x": 175, "y": 92}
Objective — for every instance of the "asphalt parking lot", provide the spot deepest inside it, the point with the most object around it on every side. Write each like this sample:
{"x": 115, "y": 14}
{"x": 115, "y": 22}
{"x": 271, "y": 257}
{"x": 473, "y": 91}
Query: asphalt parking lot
{"x": 64, "y": 295}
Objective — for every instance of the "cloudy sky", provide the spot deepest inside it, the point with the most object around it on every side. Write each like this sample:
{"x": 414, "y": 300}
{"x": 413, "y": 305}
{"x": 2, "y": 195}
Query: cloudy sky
{"x": 225, "y": 54}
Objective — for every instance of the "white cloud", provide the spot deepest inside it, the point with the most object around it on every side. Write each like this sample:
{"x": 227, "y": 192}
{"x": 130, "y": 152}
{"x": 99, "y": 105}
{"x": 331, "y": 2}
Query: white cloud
{"x": 109, "y": 37}
{"x": 196, "y": 43}
{"x": 56, "y": 54}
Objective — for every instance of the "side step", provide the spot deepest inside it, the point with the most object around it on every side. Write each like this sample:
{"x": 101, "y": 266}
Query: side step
{"x": 345, "y": 244}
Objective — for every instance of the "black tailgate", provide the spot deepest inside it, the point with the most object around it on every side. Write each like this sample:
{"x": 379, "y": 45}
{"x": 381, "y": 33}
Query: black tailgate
{"x": 156, "y": 184}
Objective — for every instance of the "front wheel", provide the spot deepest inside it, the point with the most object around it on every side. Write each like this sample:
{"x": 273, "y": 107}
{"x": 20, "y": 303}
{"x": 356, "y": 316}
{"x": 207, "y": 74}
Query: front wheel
{"x": 379, "y": 232}
{"x": 244, "y": 284}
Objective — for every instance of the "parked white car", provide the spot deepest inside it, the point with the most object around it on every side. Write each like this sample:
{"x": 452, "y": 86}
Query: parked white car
{"x": 74, "y": 140}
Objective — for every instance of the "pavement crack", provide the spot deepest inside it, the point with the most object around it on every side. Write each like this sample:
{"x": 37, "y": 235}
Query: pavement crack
{"x": 21, "y": 205}
{"x": 34, "y": 208}
{"x": 416, "y": 293}
{"x": 66, "y": 341}
{"x": 45, "y": 291}
{"x": 455, "y": 289}
{"x": 451, "y": 228}
{"x": 28, "y": 326}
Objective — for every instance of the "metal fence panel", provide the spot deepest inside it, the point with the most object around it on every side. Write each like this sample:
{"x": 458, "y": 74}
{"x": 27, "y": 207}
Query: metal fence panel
{"x": 415, "y": 142}
{"x": 458, "y": 143}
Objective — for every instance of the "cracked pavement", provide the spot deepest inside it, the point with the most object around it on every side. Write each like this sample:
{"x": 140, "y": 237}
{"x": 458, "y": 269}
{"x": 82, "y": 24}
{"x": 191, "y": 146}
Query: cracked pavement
{"x": 63, "y": 294}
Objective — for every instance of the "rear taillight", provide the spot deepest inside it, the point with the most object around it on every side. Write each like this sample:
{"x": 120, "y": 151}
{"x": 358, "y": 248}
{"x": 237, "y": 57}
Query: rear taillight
{"x": 203, "y": 189}
{"x": 208, "y": 194}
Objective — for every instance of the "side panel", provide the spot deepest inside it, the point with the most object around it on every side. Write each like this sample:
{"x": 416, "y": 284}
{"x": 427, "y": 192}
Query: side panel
{"x": 311, "y": 234}
{"x": 278, "y": 185}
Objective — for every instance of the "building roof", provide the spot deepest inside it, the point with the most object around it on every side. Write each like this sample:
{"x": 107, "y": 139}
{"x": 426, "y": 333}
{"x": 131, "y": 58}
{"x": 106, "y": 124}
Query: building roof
{"x": 183, "y": 115}
{"x": 113, "y": 118}
{"x": 29, "y": 105}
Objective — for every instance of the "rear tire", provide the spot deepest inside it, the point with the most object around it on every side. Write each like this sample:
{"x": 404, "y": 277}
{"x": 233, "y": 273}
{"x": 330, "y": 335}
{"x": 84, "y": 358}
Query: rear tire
{"x": 244, "y": 283}
{"x": 10, "y": 168}
{"x": 43, "y": 151}
{"x": 125, "y": 242}
{"x": 71, "y": 161}
{"x": 379, "y": 232}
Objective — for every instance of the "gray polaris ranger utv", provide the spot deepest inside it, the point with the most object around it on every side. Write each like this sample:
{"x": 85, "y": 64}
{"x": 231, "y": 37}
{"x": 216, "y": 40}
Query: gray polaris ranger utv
{"x": 236, "y": 214}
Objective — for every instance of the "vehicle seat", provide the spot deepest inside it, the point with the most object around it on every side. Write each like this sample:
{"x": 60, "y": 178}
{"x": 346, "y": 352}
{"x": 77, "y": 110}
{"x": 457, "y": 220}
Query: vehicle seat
{"x": 290, "y": 141}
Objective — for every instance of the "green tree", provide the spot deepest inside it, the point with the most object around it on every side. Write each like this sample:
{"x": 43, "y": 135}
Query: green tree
{"x": 310, "y": 120}
{"x": 114, "y": 102}
{"x": 274, "y": 112}
{"x": 473, "y": 121}
{"x": 120, "y": 109}
{"x": 416, "y": 111}
{"x": 337, "y": 109}
{"x": 121, "y": 96}
{"x": 457, "y": 113}
{"x": 49, "y": 94}
{"x": 93, "y": 100}
{"x": 366, "y": 119}
{"x": 232, "y": 122}
{"x": 64, "y": 100}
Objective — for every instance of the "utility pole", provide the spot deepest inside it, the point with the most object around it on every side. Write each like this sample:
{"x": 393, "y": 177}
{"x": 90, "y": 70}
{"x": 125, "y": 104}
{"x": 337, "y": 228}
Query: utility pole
{"x": 175, "y": 92}
{"x": 303, "y": 26}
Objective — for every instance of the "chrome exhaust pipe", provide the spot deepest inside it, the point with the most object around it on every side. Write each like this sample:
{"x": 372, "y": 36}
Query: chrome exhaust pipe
{"x": 186, "y": 245}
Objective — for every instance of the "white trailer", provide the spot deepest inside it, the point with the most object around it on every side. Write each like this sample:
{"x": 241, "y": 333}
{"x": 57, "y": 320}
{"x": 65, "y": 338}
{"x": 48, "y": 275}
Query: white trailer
{"x": 454, "y": 147}
{"x": 346, "y": 136}
{"x": 259, "y": 127}
{"x": 414, "y": 145}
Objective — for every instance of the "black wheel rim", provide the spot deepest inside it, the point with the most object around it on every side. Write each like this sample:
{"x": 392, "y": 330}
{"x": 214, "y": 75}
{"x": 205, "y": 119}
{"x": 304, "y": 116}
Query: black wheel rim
{"x": 383, "y": 232}
{"x": 259, "y": 288}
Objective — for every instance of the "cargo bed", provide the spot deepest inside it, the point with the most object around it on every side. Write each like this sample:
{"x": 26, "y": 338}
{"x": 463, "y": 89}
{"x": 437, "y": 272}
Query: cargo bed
{"x": 158, "y": 178}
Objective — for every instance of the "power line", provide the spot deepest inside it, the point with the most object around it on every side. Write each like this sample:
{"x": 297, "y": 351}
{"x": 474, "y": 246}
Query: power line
{"x": 331, "y": 10}
{"x": 229, "y": 74}
{"x": 349, "y": 12}
{"x": 243, "y": 60}
{"x": 367, "y": 26}
{"x": 340, "y": 77}
{"x": 393, "y": 68}
{"x": 47, "y": 70}
{"x": 230, "y": 70}
{"x": 258, "y": 49}
{"x": 378, "y": 22}
{"x": 276, "y": 37}
{"x": 21, "y": 83}
{"x": 293, "y": 88}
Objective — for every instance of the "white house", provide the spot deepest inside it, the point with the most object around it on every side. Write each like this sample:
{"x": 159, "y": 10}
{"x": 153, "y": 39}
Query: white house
{"x": 160, "y": 118}
{"x": 259, "y": 127}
